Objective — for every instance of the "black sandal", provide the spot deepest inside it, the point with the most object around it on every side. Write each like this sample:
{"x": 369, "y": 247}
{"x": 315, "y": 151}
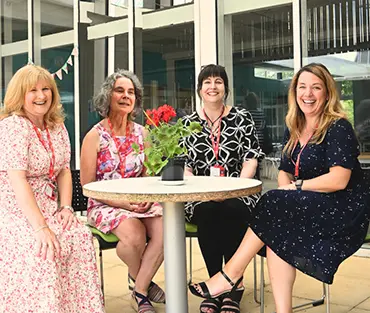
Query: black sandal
{"x": 231, "y": 302}
{"x": 205, "y": 291}
{"x": 213, "y": 304}
{"x": 144, "y": 305}
{"x": 155, "y": 293}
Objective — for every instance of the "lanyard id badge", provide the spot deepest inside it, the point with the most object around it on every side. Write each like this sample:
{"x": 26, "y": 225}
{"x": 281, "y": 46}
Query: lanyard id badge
{"x": 50, "y": 190}
{"x": 217, "y": 171}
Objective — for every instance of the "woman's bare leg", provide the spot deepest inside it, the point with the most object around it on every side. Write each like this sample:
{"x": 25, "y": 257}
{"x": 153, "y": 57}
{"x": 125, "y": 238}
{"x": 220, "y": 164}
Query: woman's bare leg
{"x": 152, "y": 257}
{"x": 132, "y": 240}
{"x": 282, "y": 277}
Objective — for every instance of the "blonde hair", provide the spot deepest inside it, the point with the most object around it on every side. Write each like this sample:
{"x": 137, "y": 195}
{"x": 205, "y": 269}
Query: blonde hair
{"x": 331, "y": 111}
{"x": 23, "y": 81}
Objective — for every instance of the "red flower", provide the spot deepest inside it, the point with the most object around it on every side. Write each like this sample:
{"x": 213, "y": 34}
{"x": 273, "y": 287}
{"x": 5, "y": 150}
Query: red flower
{"x": 166, "y": 113}
{"x": 161, "y": 115}
{"x": 153, "y": 117}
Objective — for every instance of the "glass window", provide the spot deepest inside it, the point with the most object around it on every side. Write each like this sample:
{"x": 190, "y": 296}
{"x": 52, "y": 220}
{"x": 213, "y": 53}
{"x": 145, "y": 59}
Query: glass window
{"x": 263, "y": 64}
{"x": 14, "y": 21}
{"x": 165, "y": 65}
{"x": 10, "y": 65}
{"x": 60, "y": 62}
{"x": 337, "y": 35}
{"x": 56, "y": 16}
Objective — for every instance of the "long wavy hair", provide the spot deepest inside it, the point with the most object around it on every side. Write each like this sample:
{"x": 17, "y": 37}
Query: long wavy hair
{"x": 103, "y": 98}
{"x": 331, "y": 111}
{"x": 22, "y": 82}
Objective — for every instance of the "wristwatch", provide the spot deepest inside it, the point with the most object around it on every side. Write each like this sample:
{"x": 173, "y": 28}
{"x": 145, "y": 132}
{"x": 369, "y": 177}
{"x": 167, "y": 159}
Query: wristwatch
{"x": 298, "y": 184}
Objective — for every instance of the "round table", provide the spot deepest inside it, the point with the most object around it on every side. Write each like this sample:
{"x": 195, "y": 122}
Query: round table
{"x": 151, "y": 189}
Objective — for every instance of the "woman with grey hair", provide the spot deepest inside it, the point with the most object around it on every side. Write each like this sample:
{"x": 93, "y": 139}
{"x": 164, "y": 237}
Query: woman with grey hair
{"x": 107, "y": 154}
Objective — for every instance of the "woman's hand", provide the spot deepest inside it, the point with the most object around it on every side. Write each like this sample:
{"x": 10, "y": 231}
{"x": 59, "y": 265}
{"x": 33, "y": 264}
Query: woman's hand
{"x": 47, "y": 244}
{"x": 67, "y": 218}
{"x": 141, "y": 207}
{"x": 290, "y": 186}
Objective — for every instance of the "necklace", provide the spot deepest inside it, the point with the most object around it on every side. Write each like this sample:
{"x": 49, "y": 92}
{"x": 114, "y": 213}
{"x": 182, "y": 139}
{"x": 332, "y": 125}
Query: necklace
{"x": 211, "y": 123}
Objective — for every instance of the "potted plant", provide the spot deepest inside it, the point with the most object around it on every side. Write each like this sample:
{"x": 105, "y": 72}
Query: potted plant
{"x": 165, "y": 153}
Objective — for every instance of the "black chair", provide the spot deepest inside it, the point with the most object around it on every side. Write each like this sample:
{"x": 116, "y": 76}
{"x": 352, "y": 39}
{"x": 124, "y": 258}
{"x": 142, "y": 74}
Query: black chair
{"x": 79, "y": 203}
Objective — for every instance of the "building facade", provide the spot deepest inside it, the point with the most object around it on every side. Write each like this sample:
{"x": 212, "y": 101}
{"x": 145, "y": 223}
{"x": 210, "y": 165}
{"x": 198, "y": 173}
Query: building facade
{"x": 165, "y": 42}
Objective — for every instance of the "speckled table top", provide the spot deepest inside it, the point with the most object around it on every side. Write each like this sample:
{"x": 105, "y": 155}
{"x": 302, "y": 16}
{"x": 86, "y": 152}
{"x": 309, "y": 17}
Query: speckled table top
{"x": 195, "y": 188}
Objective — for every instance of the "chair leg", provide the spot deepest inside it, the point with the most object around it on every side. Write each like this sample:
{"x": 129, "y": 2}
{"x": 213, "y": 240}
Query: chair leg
{"x": 262, "y": 286}
{"x": 101, "y": 272}
{"x": 327, "y": 294}
{"x": 320, "y": 301}
{"x": 191, "y": 261}
{"x": 255, "y": 280}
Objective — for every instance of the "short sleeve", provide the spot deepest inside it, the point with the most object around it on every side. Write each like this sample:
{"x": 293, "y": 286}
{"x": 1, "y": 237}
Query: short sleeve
{"x": 251, "y": 147}
{"x": 286, "y": 163}
{"x": 66, "y": 146}
{"x": 15, "y": 140}
{"x": 342, "y": 148}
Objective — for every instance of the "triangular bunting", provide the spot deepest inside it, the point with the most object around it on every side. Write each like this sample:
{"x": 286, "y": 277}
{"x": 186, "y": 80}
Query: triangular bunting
{"x": 53, "y": 75}
{"x": 59, "y": 74}
{"x": 75, "y": 51}
{"x": 69, "y": 61}
{"x": 65, "y": 68}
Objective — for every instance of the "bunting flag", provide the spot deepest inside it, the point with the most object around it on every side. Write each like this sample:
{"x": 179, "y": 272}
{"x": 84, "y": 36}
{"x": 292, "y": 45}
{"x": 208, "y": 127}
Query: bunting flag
{"x": 64, "y": 67}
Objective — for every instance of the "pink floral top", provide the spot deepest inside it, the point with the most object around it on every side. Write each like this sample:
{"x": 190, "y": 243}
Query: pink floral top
{"x": 100, "y": 215}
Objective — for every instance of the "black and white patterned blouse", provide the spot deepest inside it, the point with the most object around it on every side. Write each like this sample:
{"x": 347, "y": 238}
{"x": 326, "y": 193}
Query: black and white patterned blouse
{"x": 238, "y": 143}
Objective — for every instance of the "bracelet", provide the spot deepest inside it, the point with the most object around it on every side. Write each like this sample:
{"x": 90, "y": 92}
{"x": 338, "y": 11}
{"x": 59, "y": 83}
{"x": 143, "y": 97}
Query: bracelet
{"x": 66, "y": 207}
{"x": 41, "y": 227}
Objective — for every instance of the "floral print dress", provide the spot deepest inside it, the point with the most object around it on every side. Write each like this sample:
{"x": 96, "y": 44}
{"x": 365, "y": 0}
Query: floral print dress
{"x": 100, "y": 215}
{"x": 70, "y": 283}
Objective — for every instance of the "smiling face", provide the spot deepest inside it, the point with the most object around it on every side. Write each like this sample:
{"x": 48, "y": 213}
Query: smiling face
{"x": 123, "y": 96}
{"x": 311, "y": 94}
{"x": 213, "y": 90}
{"x": 37, "y": 100}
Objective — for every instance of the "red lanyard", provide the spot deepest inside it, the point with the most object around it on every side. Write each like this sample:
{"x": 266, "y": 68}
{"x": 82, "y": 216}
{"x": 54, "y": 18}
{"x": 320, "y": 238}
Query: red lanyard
{"x": 50, "y": 148}
{"x": 215, "y": 143}
{"x": 125, "y": 145}
{"x": 296, "y": 164}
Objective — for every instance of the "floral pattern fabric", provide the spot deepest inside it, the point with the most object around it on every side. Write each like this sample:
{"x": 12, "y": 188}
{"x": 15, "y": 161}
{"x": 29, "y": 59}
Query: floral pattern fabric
{"x": 316, "y": 231}
{"x": 70, "y": 284}
{"x": 102, "y": 216}
{"x": 238, "y": 143}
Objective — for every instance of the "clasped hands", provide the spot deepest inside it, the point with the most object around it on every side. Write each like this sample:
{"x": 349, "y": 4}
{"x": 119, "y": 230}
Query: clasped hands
{"x": 47, "y": 244}
{"x": 139, "y": 207}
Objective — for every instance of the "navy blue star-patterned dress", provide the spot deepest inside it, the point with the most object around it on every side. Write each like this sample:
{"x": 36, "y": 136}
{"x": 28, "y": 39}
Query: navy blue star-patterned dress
{"x": 316, "y": 231}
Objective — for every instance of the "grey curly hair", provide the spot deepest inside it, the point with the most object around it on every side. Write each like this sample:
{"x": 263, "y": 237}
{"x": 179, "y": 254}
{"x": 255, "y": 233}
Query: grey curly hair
{"x": 103, "y": 98}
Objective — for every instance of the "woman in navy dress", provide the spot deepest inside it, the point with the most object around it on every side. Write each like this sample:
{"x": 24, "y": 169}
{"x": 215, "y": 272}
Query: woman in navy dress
{"x": 318, "y": 216}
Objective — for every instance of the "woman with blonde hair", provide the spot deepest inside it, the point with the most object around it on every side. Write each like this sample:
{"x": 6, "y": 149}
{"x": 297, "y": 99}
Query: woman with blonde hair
{"x": 47, "y": 257}
{"x": 318, "y": 216}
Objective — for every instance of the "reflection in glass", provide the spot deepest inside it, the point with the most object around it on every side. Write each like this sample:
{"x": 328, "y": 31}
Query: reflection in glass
{"x": 166, "y": 67}
{"x": 337, "y": 35}
{"x": 56, "y": 16}
{"x": 263, "y": 63}
{"x": 10, "y": 65}
{"x": 55, "y": 60}
{"x": 14, "y": 15}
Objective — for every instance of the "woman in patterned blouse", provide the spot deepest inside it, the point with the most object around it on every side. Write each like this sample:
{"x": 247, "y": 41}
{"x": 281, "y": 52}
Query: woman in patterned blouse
{"x": 227, "y": 146}
{"x": 319, "y": 215}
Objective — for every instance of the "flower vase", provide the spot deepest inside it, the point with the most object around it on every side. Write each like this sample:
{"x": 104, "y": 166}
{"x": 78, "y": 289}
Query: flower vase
{"x": 173, "y": 172}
